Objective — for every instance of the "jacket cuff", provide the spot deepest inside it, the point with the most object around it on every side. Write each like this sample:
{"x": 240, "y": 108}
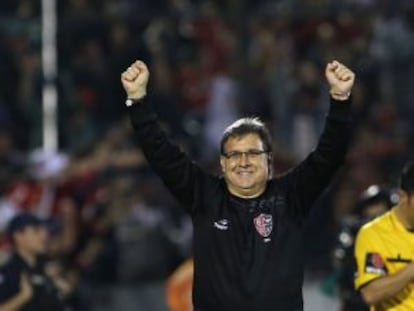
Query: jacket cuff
{"x": 340, "y": 109}
{"x": 141, "y": 113}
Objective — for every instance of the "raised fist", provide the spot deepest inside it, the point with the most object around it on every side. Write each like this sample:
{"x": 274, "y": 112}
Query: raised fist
{"x": 340, "y": 78}
{"x": 135, "y": 80}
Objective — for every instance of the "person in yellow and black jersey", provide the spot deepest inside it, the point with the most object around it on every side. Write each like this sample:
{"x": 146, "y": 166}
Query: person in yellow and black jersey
{"x": 372, "y": 202}
{"x": 384, "y": 252}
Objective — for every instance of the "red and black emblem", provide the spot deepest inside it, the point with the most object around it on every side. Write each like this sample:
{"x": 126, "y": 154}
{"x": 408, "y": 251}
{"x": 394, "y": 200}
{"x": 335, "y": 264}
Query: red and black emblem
{"x": 375, "y": 264}
{"x": 264, "y": 224}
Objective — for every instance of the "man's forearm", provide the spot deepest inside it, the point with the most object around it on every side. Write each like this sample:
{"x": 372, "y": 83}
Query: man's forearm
{"x": 386, "y": 287}
{"x": 15, "y": 303}
{"x": 176, "y": 169}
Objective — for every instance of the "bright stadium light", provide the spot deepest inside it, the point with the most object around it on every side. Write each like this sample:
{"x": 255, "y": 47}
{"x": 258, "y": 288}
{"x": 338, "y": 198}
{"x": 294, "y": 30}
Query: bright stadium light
{"x": 49, "y": 64}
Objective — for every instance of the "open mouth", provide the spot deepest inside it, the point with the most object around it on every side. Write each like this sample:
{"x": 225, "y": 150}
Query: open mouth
{"x": 244, "y": 173}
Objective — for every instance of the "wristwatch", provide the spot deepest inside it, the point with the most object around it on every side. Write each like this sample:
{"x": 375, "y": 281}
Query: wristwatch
{"x": 131, "y": 101}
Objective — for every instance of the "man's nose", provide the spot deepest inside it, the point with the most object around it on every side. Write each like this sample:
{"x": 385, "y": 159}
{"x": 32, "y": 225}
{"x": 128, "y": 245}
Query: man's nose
{"x": 244, "y": 159}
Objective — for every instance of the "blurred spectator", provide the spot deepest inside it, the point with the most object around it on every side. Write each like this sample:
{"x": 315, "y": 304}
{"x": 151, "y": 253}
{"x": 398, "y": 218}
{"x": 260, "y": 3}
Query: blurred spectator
{"x": 43, "y": 193}
{"x": 27, "y": 281}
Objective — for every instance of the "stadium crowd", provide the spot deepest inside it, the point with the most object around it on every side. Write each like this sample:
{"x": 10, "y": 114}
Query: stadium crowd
{"x": 113, "y": 226}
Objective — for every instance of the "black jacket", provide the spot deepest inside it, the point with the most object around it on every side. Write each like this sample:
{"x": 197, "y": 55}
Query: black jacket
{"x": 45, "y": 296}
{"x": 248, "y": 253}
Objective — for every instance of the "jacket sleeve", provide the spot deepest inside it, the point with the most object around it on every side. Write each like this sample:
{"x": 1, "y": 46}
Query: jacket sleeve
{"x": 180, "y": 175}
{"x": 308, "y": 180}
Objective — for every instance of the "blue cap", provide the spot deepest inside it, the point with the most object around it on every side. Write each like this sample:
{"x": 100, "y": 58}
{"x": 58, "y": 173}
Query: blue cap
{"x": 23, "y": 220}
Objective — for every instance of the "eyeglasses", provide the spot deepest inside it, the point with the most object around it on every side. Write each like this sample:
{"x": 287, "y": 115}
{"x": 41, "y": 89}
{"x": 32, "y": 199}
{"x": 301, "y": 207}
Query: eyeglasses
{"x": 250, "y": 154}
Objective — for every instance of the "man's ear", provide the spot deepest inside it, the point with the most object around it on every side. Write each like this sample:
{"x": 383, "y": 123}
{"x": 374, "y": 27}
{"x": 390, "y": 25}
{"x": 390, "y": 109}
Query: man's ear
{"x": 402, "y": 198}
{"x": 270, "y": 164}
{"x": 222, "y": 164}
{"x": 16, "y": 236}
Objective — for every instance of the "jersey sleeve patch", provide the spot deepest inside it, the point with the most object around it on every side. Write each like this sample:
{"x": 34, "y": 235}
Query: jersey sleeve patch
{"x": 375, "y": 264}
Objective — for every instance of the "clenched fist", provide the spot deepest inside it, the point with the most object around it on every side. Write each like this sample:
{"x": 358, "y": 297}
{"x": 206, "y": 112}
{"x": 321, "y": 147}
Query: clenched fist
{"x": 340, "y": 78}
{"x": 135, "y": 80}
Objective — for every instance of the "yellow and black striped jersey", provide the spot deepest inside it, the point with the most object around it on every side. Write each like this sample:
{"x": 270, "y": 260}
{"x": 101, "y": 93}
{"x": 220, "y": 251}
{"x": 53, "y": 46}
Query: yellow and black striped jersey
{"x": 383, "y": 247}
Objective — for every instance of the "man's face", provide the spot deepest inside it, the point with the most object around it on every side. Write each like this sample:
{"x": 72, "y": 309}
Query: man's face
{"x": 32, "y": 239}
{"x": 245, "y": 167}
{"x": 406, "y": 200}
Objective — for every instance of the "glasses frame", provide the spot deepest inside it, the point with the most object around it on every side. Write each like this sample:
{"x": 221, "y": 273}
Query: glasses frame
{"x": 238, "y": 155}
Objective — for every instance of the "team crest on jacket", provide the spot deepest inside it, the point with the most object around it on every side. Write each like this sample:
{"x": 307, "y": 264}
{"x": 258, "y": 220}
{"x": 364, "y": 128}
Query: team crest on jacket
{"x": 264, "y": 224}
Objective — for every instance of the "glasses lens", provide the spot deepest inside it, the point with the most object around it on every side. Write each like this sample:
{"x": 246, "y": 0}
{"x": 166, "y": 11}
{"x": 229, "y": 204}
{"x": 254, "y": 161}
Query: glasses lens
{"x": 236, "y": 155}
